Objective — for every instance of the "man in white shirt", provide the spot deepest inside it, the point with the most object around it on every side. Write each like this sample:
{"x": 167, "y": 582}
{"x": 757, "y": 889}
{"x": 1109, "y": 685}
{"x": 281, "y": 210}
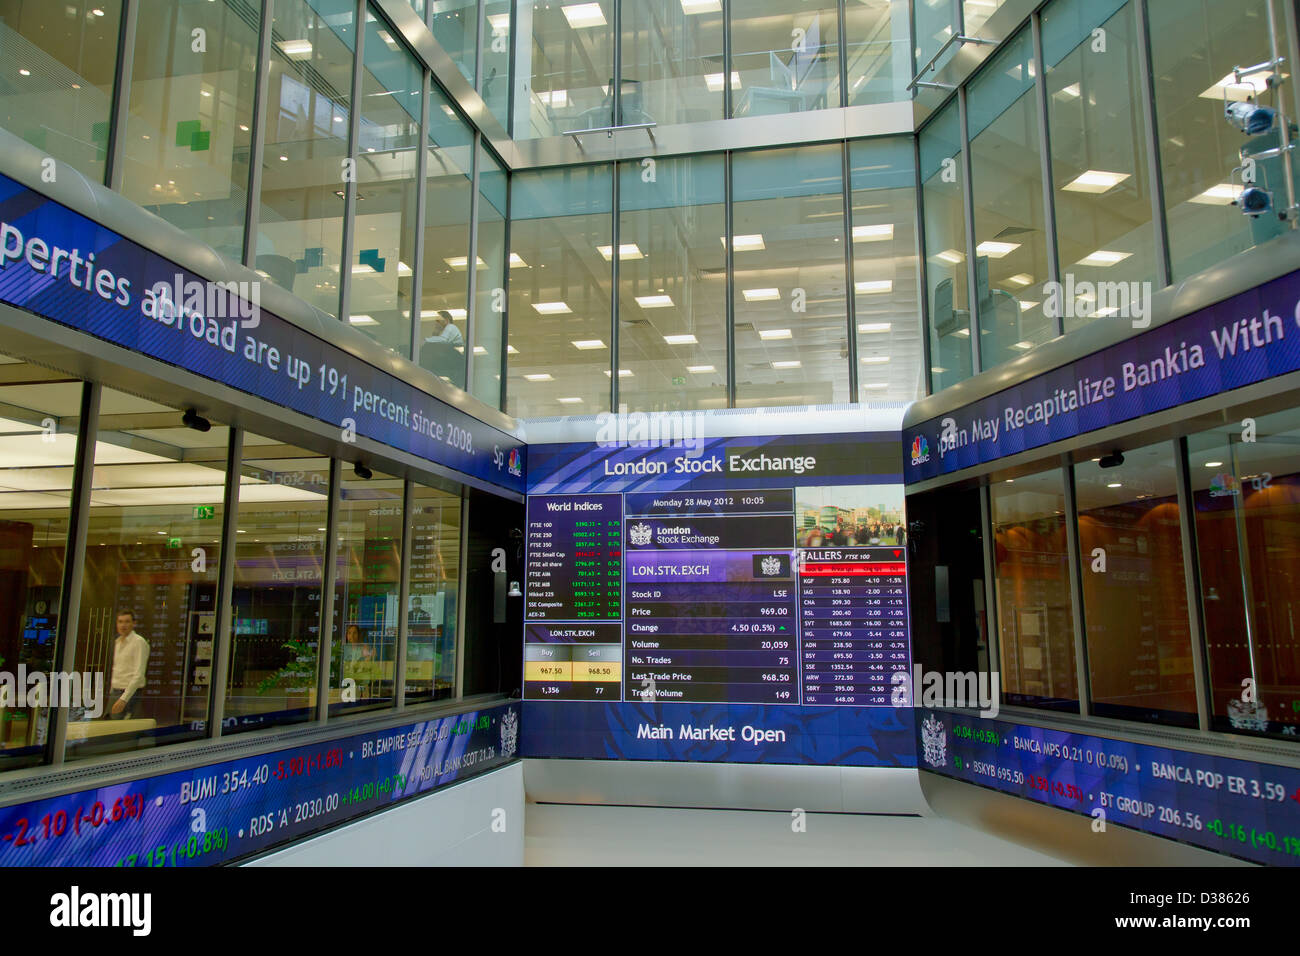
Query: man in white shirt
{"x": 445, "y": 330}
{"x": 130, "y": 664}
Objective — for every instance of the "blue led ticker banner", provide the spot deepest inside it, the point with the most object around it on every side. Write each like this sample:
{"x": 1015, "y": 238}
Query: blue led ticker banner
{"x": 1244, "y": 339}
{"x": 1238, "y": 807}
{"x": 223, "y": 812}
{"x": 64, "y": 267}
{"x": 739, "y": 599}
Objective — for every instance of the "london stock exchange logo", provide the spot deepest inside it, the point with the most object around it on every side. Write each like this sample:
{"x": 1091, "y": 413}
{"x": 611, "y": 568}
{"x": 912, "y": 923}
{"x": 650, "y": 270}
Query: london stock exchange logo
{"x": 771, "y": 566}
{"x": 640, "y": 534}
{"x": 509, "y": 733}
{"x": 934, "y": 742}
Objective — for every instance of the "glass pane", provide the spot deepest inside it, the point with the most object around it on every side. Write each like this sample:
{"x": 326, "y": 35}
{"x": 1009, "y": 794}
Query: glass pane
{"x": 444, "y": 284}
{"x": 1035, "y": 611}
{"x": 672, "y": 61}
{"x": 560, "y": 283}
{"x": 945, "y": 249}
{"x": 1007, "y": 181}
{"x": 791, "y": 316}
{"x": 368, "y": 576}
{"x": 64, "y": 56}
{"x": 1099, "y": 162}
{"x": 279, "y": 556}
{"x": 455, "y": 27}
{"x": 570, "y": 58}
{"x": 672, "y": 285}
{"x": 784, "y": 60}
{"x": 300, "y": 232}
{"x": 383, "y": 244}
{"x": 489, "y": 289}
{"x": 936, "y": 22}
{"x": 877, "y": 44}
{"x": 435, "y": 574}
{"x": 1195, "y": 44}
{"x": 189, "y": 125}
{"x": 887, "y": 301}
{"x": 1134, "y": 593}
{"x": 976, "y": 12}
{"x": 148, "y": 597}
{"x": 1247, "y": 528}
{"x": 38, "y": 426}
{"x": 494, "y": 49}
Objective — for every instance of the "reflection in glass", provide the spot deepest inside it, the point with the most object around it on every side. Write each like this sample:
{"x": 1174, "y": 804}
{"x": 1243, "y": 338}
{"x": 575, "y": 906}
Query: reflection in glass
{"x": 784, "y": 60}
{"x": 1035, "y": 619}
{"x": 560, "y": 279}
{"x": 877, "y": 47}
{"x": 366, "y": 591}
{"x": 494, "y": 52}
{"x": 791, "y": 314}
{"x": 275, "y": 613}
{"x": 672, "y": 61}
{"x": 945, "y": 249}
{"x": 570, "y": 58}
{"x": 935, "y": 23}
{"x": 490, "y": 280}
{"x": 1134, "y": 591}
{"x": 887, "y": 302}
{"x": 672, "y": 285}
{"x": 149, "y": 589}
{"x": 455, "y": 26}
{"x": 60, "y": 62}
{"x": 1007, "y": 182}
{"x": 434, "y": 575}
{"x": 1247, "y": 501}
{"x": 39, "y": 432}
{"x": 190, "y": 118}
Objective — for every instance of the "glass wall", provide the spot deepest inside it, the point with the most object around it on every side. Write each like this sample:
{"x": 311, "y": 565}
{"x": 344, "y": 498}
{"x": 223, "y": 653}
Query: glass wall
{"x": 279, "y": 559}
{"x": 383, "y": 239}
{"x": 942, "y": 177}
{"x": 60, "y": 61}
{"x": 367, "y": 582}
{"x": 309, "y": 90}
{"x": 431, "y": 633}
{"x": 788, "y": 224}
{"x": 1034, "y": 607}
{"x": 935, "y": 22}
{"x": 494, "y": 55}
{"x": 565, "y": 68}
{"x": 1099, "y": 162}
{"x": 1007, "y": 183}
{"x": 887, "y": 300}
{"x": 455, "y": 26}
{"x": 672, "y": 61}
{"x": 877, "y": 47}
{"x": 189, "y": 125}
{"x": 785, "y": 59}
{"x": 149, "y": 589}
{"x": 1244, "y": 487}
{"x": 490, "y": 280}
{"x": 1134, "y": 590}
{"x": 672, "y": 284}
{"x": 38, "y": 416}
{"x": 561, "y": 239}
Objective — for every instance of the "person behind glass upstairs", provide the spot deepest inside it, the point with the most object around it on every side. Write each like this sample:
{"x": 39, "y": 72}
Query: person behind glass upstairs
{"x": 128, "y": 671}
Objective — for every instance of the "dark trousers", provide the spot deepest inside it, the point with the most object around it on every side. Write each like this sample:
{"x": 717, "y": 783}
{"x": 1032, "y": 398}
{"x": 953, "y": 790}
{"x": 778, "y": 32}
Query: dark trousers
{"x": 114, "y": 695}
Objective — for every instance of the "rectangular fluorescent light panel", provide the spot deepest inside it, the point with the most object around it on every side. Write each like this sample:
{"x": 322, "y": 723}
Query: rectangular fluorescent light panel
{"x": 996, "y": 250}
{"x": 874, "y": 326}
{"x": 761, "y": 295}
{"x": 794, "y": 364}
{"x": 582, "y": 15}
{"x": 746, "y": 243}
{"x": 686, "y": 339}
{"x": 1095, "y": 181}
{"x": 588, "y": 345}
{"x": 714, "y": 81}
{"x": 1103, "y": 258}
{"x": 769, "y": 335}
{"x": 874, "y": 286}
{"x": 873, "y": 233}
{"x": 626, "y": 250}
{"x": 540, "y": 377}
{"x": 552, "y": 308}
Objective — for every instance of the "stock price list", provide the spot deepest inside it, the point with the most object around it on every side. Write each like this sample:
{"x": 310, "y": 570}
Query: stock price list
{"x": 853, "y": 618}
{"x": 575, "y": 558}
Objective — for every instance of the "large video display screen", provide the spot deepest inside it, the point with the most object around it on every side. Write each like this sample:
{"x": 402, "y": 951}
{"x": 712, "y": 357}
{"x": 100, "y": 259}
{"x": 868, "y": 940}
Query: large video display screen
{"x": 729, "y": 599}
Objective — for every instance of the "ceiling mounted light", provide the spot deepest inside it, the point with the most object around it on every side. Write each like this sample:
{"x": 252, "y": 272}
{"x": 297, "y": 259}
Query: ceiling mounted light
{"x": 685, "y": 339}
{"x": 751, "y": 243}
{"x": 1095, "y": 181}
{"x": 655, "y": 301}
{"x": 361, "y": 319}
{"x": 874, "y": 286}
{"x": 768, "y": 335}
{"x": 589, "y": 345}
{"x": 692, "y": 7}
{"x": 950, "y": 256}
{"x": 877, "y": 233}
{"x": 540, "y": 377}
{"x": 714, "y": 81}
{"x": 699, "y": 369}
{"x": 875, "y": 359}
{"x": 1103, "y": 258}
{"x": 761, "y": 295}
{"x": 192, "y": 419}
{"x": 996, "y": 250}
{"x": 583, "y": 15}
{"x": 874, "y": 326}
{"x": 552, "y": 308}
{"x": 574, "y": 400}
{"x": 795, "y": 364}
{"x": 626, "y": 250}
{"x": 1224, "y": 194}
{"x": 296, "y": 49}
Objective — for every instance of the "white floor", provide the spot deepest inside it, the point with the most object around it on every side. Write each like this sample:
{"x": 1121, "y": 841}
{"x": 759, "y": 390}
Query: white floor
{"x": 567, "y": 835}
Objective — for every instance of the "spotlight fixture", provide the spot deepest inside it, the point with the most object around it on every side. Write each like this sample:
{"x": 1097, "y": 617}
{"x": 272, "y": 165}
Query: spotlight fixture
{"x": 192, "y": 419}
{"x": 1249, "y": 117}
{"x": 1113, "y": 460}
{"x": 362, "y": 472}
{"x": 514, "y": 590}
{"x": 1254, "y": 201}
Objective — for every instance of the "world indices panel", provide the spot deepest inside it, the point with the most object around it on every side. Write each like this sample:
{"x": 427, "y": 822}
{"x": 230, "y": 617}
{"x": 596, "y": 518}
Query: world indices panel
{"x": 742, "y": 600}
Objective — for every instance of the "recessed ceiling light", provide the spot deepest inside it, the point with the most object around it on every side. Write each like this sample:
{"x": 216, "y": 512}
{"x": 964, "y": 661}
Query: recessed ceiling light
{"x": 588, "y": 345}
{"x": 996, "y": 250}
{"x": 699, "y": 369}
{"x": 1229, "y": 88}
{"x": 874, "y": 326}
{"x": 1026, "y": 305}
{"x": 875, "y": 359}
{"x": 574, "y": 400}
{"x": 1020, "y": 279}
{"x": 1224, "y": 194}
{"x": 516, "y": 262}
{"x": 27, "y": 72}
{"x": 874, "y": 286}
{"x": 622, "y": 373}
{"x": 1214, "y": 464}
{"x": 480, "y": 350}
{"x": 582, "y": 15}
{"x": 296, "y": 49}
{"x": 1070, "y": 92}
{"x": 747, "y": 243}
{"x": 626, "y": 250}
{"x": 761, "y": 295}
{"x": 951, "y": 256}
{"x": 1023, "y": 346}
{"x": 362, "y": 320}
{"x": 511, "y": 350}
{"x": 500, "y": 22}
{"x": 770, "y": 334}
{"x": 692, "y": 7}
{"x": 654, "y": 301}
{"x": 434, "y": 313}
{"x": 795, "y": 364}
{"x": 1103, "y": 258}
{"x": 460, "y": 262}
{"x": 540, "y": 377}
{"x": 874, "y": 385}
{"x": 714, "y": 81}
{"x": 1115, "y": 484}
{"x": 552, "y": 308}
{"x": 554, "y": 98}
{"x": 1094, "y": 181}
{"x": 873, "y": 233}
{"x": 685, "y": 339}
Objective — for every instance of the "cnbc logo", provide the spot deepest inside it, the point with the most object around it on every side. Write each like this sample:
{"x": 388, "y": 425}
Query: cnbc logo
{"x": 1224, "y": 485}
{"x": 920, "y": 450}
{"x": 514, "y": 463}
